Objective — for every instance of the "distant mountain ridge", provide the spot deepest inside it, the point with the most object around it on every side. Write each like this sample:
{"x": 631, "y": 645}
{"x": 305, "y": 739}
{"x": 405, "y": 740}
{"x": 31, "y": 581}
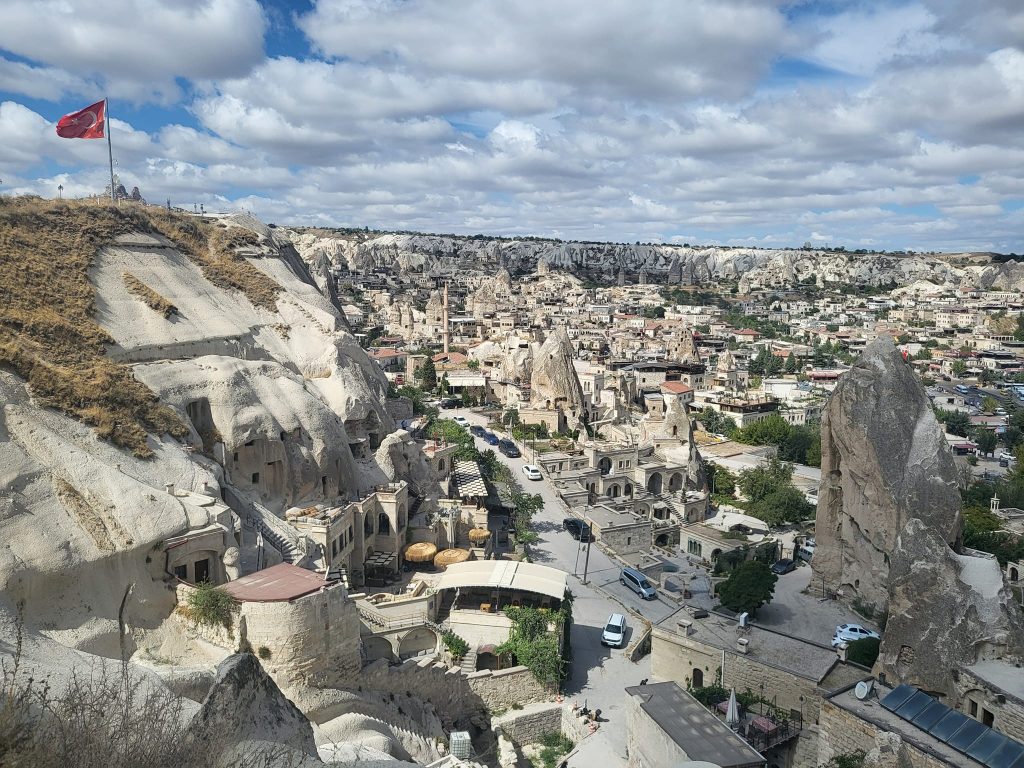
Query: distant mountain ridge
{"x": 751, "y": 267}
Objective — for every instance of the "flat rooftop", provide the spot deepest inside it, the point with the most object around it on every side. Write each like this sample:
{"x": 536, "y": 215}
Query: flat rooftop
{"x": 278, "y": 583}
{"x": 697, "y": 732}
{"x": 795, "y": 655}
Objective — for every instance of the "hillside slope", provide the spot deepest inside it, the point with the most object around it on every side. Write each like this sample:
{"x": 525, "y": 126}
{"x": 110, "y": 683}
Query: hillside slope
{"x": 752, "y": 267}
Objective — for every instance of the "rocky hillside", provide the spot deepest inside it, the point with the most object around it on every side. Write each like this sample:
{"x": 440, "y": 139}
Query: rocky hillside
{"x": 602, "y": 261}
{"x": 141, "y": 349}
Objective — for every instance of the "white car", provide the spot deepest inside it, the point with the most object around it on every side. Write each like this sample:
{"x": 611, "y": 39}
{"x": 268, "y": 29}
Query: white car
{"x": 462, "y": 421}
{"x": 531, "y": 471}
{"x": 848, "y": 633}
{"x": 1008, "y": 456}
{"x": 614, "y": 631}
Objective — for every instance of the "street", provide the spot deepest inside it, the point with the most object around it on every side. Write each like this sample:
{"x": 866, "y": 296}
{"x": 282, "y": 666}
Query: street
{"x": 597, "y": 674}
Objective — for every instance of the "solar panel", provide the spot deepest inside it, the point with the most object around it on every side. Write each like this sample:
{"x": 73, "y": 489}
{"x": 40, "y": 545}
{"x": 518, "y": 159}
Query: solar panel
{"x": 930, "y": 715}
{"x": 1007, "y": 755}
{"x": 914, "y": 705}
{"x": 898, "y": 696}
{"x": 986, "y": 745}
{"x": 948, "y": 726}
{"x": 967, "y": 734}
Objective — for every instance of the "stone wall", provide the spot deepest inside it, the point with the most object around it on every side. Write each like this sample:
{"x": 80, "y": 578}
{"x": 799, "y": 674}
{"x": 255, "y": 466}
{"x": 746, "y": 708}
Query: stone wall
{"x": 529, "y": 724}
{"x": 674, "y": 657}
{"x": 456, "y": 697}
{"x": 628, "y": 539}
{"x": 502, "y": 688}
{"x": 1007, "y": 710}
{"x": 841, "y": 733}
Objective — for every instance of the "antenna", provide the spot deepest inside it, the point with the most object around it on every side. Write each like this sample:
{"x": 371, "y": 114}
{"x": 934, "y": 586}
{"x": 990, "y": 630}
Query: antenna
{"x": 863, "y": 689}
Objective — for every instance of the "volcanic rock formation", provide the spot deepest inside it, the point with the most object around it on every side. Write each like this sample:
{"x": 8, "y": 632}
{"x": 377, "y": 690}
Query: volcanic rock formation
{"x": 554, "y": 383}
{"x": 889, "y": 529}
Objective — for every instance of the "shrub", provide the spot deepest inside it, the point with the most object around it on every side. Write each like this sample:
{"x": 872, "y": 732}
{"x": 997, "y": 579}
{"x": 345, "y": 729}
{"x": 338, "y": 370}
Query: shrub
{"x": 151, "y": 298}
{"x": 211, "y": 606}
{"x": 456, "y": 646}
{"x": 553, "y": 745}
{"x": 264, "y": 653}
{"x": 863, "y": 651}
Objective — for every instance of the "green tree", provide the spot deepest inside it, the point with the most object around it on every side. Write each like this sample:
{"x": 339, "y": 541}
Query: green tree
{"x": 772, "y": 430}
{"x": 473, "y": 365}
{"x": 989, "y": 404}
{"x": 759, "y": 362}
{"x": 864, "y": 651}
{"x": 791, "y": 364}
{"x": 986, "y": 441}
{"x": 1018, "y": 334}
{"x": 774, "y": 366}
{"x": 426, "y": 375}
{"x": 716, "y": 423}
{"x": 758, "y": 482}
{"x": 957, "y": 422}
{"x": 959, "y": 368}
{"x": 785, "y": 504}
{"x": 721, "y": 480}
{"x": 1011, "y": 437}
{"x": 749, "y": 586}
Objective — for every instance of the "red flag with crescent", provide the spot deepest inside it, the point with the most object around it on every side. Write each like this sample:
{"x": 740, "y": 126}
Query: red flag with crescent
{"x": 86, "y": 123}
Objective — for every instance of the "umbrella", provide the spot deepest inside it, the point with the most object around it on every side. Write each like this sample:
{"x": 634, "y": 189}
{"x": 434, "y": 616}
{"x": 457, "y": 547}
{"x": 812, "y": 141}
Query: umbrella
{"x": 477, "y": 535}
{"x": 420, "y": 552}
{"x": 732, "y": 714}
{"x": 449, "y": 557}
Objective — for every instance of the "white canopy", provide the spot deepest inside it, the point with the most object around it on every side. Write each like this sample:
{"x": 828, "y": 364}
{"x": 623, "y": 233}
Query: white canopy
{"x": 506, "y": 574}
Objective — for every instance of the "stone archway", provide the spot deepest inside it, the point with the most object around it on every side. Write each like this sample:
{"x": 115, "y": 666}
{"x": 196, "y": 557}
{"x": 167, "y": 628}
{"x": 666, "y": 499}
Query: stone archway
{"x": 1014, "y": 574}
{"x": 654, "y": 483}
{"x": 383, "y": 523}
{"x": 662, "y": 540}
{"x": 605, "y": 465}
{"x": 675, "y": 483}
{"x": 417, "y": 642}
{"x": 378, "y": 648}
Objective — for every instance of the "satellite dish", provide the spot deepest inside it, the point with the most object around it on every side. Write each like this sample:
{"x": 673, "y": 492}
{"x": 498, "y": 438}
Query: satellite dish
{"x": 863, "y": 689}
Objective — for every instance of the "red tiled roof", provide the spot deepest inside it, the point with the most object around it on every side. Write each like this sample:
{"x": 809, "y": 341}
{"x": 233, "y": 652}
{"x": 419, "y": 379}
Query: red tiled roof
{"x": 278, "y": 583}
{"x": 675, "y": 388}
{"x": 747, "y": 332}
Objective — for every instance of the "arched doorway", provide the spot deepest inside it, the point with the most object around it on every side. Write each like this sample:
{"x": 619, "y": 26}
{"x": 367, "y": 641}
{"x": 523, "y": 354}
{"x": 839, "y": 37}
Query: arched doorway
{"x": 378, "y": 648}
{"x": 698, "y": 678}
{"x": 417, "y": 642}
{"x": 1014, "y": 574}
{"x": 368, "y": 525}
{"x": 401, "y": 516}
{"x": 675, "y": 483}
{"x": 605, "y": 465}
{"x": 662, "y": 540}
{"x": 383, "y": 523}
{"x": 654, "y": 483}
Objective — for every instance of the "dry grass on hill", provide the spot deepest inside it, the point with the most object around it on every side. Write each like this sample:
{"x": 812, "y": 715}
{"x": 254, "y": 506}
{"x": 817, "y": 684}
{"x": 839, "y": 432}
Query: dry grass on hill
{"x": 47, "y": 332}
{"x": 151, "y": 298}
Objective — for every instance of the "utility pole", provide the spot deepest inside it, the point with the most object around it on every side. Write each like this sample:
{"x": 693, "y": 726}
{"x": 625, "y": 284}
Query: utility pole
{"x": 590, "y": 538}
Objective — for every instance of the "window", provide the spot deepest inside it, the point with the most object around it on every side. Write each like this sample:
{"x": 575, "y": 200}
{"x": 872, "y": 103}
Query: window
{"x": 255, "y": 478}
{"x": 202, "y": 568}
{"x": 181, "y": 572}
{"x": 988, "y": 718}
{"x": 629, "y": 540}
{"x": 698, "y": 678}
{"x": 693, "y": 547}
{"x": 972, "y": 708}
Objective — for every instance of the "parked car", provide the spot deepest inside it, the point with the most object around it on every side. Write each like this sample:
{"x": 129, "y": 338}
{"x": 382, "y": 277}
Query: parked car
{"x": 783, "y": 566}
{"x": 477, "y": 430}
{"x": 532, "y": 472}
{"x": 489, "y": 437}
{"x": 614, "y": 633}
{"x": 509, "y": 449}
{"x": 462, "y": 421}
{"x": 847, "y": 633}
{"x": 637, "y": 582}
{"x": 450, "y": 402}
{"x": 1007, "y": 455}
{"x": 577, "y": 529}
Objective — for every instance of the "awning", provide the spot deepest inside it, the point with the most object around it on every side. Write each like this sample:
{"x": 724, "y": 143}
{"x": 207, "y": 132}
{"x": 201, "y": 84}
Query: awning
{"x": 506, "y": 574}
{"x": 468, "y": 481}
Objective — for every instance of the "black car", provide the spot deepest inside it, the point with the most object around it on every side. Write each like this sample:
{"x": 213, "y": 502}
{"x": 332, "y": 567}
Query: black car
{"x": 509, "y": 449}
{"x": 783, "y": 566}
{"x": 577, "y": 528}
{"x": 476, "y": 430}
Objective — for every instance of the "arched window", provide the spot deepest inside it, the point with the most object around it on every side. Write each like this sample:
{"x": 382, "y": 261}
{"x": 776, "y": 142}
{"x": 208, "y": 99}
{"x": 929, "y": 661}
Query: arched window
{"x": 368, "y": 525}
{"x": 383, "y": 523}
{"x": 698, "y": 678}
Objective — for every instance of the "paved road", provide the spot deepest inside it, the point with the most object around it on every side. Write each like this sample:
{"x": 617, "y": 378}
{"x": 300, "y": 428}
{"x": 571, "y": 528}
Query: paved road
{"x": 597, "y": 673}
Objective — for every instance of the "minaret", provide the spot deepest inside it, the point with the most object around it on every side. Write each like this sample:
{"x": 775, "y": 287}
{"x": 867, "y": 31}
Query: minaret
{"x": 444, "y": 318}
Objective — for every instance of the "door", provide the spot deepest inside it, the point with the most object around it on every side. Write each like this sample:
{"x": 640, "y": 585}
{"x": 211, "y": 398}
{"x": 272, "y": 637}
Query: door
{"x": 202, "y": 570}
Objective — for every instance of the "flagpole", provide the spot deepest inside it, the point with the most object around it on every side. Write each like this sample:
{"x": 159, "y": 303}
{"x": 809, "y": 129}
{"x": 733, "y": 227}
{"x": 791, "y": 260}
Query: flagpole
{"x": 110, "y": 151}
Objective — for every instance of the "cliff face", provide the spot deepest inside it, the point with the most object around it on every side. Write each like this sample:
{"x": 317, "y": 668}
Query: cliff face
{"x": 889, "y": 528}
{"x": 754, "y": 268}
{"x": 272, "y": 394}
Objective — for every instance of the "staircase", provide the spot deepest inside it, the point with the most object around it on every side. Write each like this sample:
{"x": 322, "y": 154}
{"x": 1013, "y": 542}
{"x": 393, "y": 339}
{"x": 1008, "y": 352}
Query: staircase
{"x": 289, "y": 552}
{"x": 444, "y": 610}
{"x": 468, "y": 663}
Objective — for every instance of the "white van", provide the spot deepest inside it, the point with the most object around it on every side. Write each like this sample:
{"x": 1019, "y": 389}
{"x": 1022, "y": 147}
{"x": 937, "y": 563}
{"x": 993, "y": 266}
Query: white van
{"x": 636, "y": 581}
{"x": 614, "y": 633}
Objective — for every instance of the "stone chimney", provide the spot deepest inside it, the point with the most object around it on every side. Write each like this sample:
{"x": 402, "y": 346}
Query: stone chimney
{"x": 843, "y": 651}
{"x": 742, "y": 645}
{"x": 169, "y": 487}
{"x": 686, "y": 625}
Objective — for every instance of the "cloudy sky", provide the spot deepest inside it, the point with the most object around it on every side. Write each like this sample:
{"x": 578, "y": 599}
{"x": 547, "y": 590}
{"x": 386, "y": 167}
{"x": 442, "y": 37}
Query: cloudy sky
{"x": 748, "y": 122}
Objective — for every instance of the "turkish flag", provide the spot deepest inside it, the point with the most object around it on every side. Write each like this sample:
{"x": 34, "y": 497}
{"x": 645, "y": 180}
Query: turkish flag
{"x": 84, "y": 124}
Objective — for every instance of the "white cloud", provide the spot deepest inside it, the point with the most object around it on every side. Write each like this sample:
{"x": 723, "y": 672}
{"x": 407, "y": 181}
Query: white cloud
{"x": 137, "y": 47}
